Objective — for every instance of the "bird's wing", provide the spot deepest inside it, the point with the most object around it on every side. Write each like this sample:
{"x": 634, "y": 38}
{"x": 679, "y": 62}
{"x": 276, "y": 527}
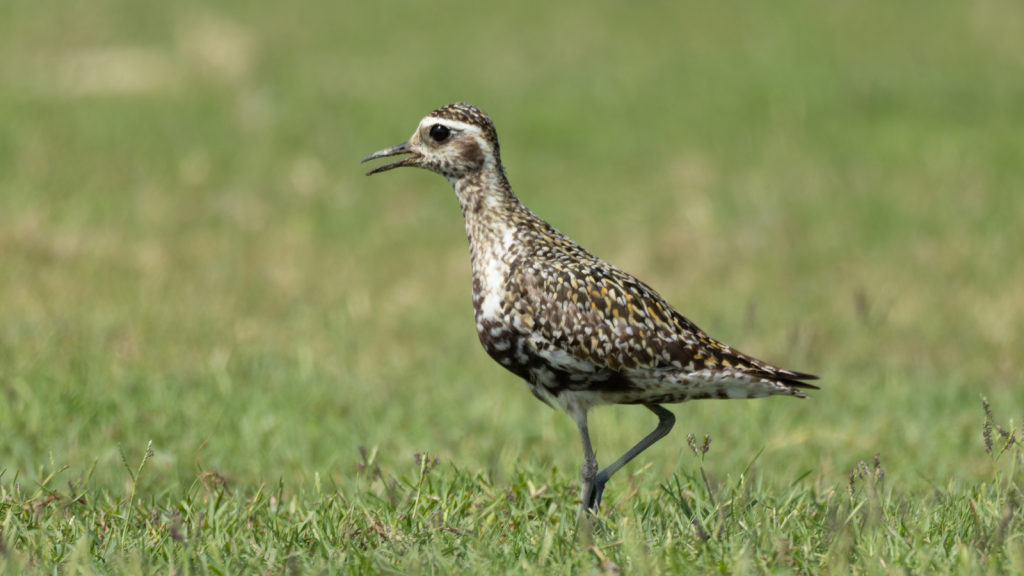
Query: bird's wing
{"x": 598, "y": 314}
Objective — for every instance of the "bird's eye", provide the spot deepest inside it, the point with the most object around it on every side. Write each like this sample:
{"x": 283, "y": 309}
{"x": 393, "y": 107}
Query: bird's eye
{"x": 439, "y": 133}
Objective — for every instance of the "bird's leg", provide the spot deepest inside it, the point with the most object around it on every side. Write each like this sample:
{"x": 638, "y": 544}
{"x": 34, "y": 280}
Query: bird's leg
{"x": 589, "y": 468}
{"x": 666, "y": 420}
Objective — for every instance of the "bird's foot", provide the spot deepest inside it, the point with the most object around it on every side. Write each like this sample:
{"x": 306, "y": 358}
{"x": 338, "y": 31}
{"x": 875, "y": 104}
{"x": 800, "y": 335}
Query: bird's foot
{"x": 593, "y": 500}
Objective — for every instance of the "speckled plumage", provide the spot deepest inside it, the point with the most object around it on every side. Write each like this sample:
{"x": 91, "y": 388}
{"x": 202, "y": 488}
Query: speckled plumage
{"x": 578, "y": 330}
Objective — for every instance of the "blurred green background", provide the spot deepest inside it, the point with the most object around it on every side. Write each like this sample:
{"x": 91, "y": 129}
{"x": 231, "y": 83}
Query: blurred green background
{"x": 189, "y": 249}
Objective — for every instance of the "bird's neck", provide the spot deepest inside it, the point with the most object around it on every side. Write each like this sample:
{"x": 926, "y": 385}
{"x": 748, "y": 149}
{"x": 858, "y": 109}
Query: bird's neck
{"x": 495, "y": 218}
{"x": 485, "y": 192}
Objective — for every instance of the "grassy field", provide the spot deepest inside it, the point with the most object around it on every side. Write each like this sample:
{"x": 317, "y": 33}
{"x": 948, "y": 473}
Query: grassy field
{"x": 190, "y": 254}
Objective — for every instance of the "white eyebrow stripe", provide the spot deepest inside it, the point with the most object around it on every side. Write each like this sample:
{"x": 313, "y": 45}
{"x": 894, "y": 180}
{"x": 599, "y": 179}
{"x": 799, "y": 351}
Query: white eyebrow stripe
{"x": 454, "y": 124}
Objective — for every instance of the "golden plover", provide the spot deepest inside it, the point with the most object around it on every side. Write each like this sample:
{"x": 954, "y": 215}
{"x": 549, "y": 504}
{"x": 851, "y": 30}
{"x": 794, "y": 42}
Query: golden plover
{"x": 578, "y": 330}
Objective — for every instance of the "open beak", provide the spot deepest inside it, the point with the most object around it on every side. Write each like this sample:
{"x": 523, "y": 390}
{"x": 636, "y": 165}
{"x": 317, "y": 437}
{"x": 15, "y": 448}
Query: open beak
{"x": 403, "y": 148}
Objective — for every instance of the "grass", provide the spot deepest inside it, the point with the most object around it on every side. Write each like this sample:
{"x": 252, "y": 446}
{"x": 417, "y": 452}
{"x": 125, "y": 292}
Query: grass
{"x": 189, "y": 255}
{"x": 453, "y": 520}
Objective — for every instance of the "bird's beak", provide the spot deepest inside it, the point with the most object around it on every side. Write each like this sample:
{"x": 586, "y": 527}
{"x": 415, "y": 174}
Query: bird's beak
{"x": 404, "y": 148}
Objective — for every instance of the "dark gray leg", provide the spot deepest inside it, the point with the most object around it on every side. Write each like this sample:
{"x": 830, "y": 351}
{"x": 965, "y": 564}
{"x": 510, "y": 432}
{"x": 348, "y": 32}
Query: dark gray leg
{"x": 589, "y": 468}
{"x": 666, "y": 420}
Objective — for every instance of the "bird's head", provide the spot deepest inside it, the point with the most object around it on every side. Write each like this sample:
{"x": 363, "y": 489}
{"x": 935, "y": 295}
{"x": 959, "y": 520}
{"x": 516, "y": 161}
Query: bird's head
{"x": 455, "y": 140}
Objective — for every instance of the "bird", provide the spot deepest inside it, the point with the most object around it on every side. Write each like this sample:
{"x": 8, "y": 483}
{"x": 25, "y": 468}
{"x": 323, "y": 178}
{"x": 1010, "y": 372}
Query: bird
{"x": 580, "y": 332}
